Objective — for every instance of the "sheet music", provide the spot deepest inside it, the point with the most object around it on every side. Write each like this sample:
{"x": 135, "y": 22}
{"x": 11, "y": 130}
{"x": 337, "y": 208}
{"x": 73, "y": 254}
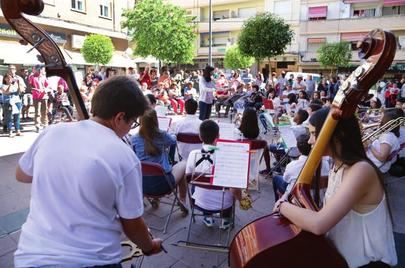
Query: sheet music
{"x": 227, "y": 131}
{"x": 231, "y": 164}
{"x": 288, "y": 136}
{"x": 164, "y": 123}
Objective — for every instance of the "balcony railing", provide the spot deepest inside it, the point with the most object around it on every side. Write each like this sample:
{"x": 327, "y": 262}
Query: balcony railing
{"x": 352, "y": 24}
{"x": 310, "y": 57}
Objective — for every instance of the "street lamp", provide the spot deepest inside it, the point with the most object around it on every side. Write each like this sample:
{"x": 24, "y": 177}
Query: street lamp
{"x": 210, "y": 34}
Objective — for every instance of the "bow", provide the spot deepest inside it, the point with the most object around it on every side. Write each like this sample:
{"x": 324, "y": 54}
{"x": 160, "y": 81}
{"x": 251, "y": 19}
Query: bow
{"x": 50, "y": 54}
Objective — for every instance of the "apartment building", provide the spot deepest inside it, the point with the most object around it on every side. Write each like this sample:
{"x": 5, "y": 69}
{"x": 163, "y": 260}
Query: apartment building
{"x": 349, "y": 20}
{"x": 68, "y": 22}
{"x": 228, "y": 17}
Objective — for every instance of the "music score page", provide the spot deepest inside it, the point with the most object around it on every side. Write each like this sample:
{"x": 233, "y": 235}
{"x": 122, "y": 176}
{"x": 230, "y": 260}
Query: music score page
{"x": 231, "y": 164}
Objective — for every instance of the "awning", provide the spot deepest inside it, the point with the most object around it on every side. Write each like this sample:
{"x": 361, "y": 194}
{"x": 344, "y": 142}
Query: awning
{"x": 394, "y": 2}
{"x": 148, "y": 59}
{"x": 120, "y": 59}
{"x": 317, "y": 12}
{"x": 360, "y": 1}
{"x": 318, "y": 40}
{"x": 15, "y": 53}
{"x": 352, "y": 37}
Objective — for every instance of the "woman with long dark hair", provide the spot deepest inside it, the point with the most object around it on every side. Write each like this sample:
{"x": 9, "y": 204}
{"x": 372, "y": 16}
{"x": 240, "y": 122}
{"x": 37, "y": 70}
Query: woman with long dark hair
{"x": 152, "y": 144}
{"x": 249, "y": 129}
{"x": 355, "y": 215}
{"x": 207, "y": 88}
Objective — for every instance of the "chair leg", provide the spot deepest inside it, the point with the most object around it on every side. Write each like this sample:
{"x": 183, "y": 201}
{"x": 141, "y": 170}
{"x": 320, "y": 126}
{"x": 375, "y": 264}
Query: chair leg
{"x": 170, "y": 214}
{"x": 192, "y": 218}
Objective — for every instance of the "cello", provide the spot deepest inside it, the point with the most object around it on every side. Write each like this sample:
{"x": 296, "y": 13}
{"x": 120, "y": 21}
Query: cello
{"x": 272, "y": 240}
{"x": 50, "y": 53}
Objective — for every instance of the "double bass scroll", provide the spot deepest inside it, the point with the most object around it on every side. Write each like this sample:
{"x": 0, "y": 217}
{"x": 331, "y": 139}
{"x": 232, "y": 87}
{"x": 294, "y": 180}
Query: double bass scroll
{"x": 50, "y": 53}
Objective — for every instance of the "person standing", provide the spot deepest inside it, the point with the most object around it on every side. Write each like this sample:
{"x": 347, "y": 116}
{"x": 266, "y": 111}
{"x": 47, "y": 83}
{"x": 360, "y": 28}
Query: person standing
{"x": 13, "y": 87}
{"x": 310, "y": 83}
{"x": 207, "y": 89}
{"x": 39, "y": 86}
{"x": 81, "y": 204}
{"x": 27, "y": 100}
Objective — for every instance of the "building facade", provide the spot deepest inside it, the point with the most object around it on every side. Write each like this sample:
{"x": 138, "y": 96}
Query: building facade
{"x": 68, "y": 23}
{"x": 349, "y": 20}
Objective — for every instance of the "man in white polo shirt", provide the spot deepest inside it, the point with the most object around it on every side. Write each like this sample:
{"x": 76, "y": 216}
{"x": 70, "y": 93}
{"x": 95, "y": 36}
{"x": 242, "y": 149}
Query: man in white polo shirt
{"x": 86, "y": 186}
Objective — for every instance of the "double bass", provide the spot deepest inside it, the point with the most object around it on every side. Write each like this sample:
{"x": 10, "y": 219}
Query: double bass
{"x": 50, "y": 53}
{"x": 272, "y": 240}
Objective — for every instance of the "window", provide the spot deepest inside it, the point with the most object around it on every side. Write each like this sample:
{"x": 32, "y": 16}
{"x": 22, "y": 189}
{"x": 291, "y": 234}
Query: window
{"x": 220, "y": 14}
{"x": 283, "y": 9}
{"x": 247, "y": 12}
{"x": 364, "y": 13}
{"x": 318, "y": 13}
{"x": 105, "y": 10}
{"x": 393, "y": 10}
{"x": 78, "y": 5}
{"x": 219, "y": 39}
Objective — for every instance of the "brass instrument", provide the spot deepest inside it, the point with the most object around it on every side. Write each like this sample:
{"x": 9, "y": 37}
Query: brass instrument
{"x": 390, "y": 125}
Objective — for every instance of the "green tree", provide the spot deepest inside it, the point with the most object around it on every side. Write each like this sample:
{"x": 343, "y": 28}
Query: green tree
{"x": 97, "y": 49}
{"x": 162, "y": 30}
{"x": 333, "y": 55}
{"x": 235, "y": 60}
{"x": 265, "y": 36}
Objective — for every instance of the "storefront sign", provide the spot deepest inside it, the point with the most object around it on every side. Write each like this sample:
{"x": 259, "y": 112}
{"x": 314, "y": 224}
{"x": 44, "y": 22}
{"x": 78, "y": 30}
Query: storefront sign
{"x": 7, "y": 31}
{"x": 77, "y": 41}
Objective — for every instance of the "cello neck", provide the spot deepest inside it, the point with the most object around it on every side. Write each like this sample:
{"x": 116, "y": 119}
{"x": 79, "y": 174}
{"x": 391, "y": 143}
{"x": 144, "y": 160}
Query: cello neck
{"x": 314, "y": 158}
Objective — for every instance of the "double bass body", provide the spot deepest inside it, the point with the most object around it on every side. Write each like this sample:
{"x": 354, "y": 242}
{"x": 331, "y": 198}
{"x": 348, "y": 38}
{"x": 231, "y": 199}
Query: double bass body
{"x": 273, "y": 241}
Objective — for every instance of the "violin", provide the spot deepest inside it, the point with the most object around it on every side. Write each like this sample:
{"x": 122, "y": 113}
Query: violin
{"x": 272, "y": 240}
{"x": 50, "y": 54}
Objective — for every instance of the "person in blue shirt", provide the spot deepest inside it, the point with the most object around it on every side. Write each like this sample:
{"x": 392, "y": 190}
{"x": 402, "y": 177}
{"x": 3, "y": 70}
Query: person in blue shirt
{"x": 152, "y": 144}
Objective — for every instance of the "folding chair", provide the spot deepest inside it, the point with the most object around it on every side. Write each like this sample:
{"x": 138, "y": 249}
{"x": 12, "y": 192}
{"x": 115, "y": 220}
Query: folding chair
{"x": 256, "y": 148}
{"x": 152, "y": 170}
{"x": 203, "y": 181}
{"x": 186, "y": 142}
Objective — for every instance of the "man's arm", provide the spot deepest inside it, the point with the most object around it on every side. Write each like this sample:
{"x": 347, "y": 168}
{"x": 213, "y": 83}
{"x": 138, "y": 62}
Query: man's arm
{"x": 137, "y": 231}
{"x": 21, "y": 176}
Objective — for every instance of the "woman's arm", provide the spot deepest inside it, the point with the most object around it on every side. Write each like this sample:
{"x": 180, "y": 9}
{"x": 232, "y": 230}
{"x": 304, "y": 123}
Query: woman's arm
{"x": 357, "y": 182}
{"x": 382, "y": 155}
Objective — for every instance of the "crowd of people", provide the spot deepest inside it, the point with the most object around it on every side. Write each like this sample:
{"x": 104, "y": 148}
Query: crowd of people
{"x": 84, "y": 229}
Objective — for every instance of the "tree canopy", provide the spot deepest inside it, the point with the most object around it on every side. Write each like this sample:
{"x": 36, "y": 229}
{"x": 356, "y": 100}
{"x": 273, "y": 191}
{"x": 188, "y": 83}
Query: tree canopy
{"x": 97, "y": 49}
{"x": 265, "y": 36}
{"x": 334, "y": 55}
{"x": 235, "y": 60}
{"x": 162, "y": 30}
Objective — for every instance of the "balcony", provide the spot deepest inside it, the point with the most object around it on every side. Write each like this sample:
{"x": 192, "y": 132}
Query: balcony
{"x": 352, "y": 25}
{"x": 218, "y": 51}
{"x": 229, "y": 25}
{"x": 204, "y": 3}
{"x": 309, "y": 57}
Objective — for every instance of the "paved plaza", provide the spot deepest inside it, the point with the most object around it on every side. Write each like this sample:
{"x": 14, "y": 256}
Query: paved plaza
{"x": 14, "y": 207}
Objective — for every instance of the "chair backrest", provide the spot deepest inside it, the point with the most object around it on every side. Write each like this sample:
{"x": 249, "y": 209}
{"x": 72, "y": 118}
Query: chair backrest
{"x": 268, "y": 104}
{"x": 202, "y": 180}
{"x": 152, "y": 169}
{"x": 190, "y": 138}
{"x": 187, "y": 142}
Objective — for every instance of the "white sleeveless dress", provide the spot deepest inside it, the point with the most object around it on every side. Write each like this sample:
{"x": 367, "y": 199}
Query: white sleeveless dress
{"x": 362, "y": 238}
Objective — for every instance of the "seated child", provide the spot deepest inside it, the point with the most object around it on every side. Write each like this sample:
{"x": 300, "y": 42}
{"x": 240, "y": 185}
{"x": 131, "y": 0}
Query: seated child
{"x": 62, "y": 102}
{"x": 201, "y": 161}
{"x": 282, "y": 185}
{"x": 152, "y": 144}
